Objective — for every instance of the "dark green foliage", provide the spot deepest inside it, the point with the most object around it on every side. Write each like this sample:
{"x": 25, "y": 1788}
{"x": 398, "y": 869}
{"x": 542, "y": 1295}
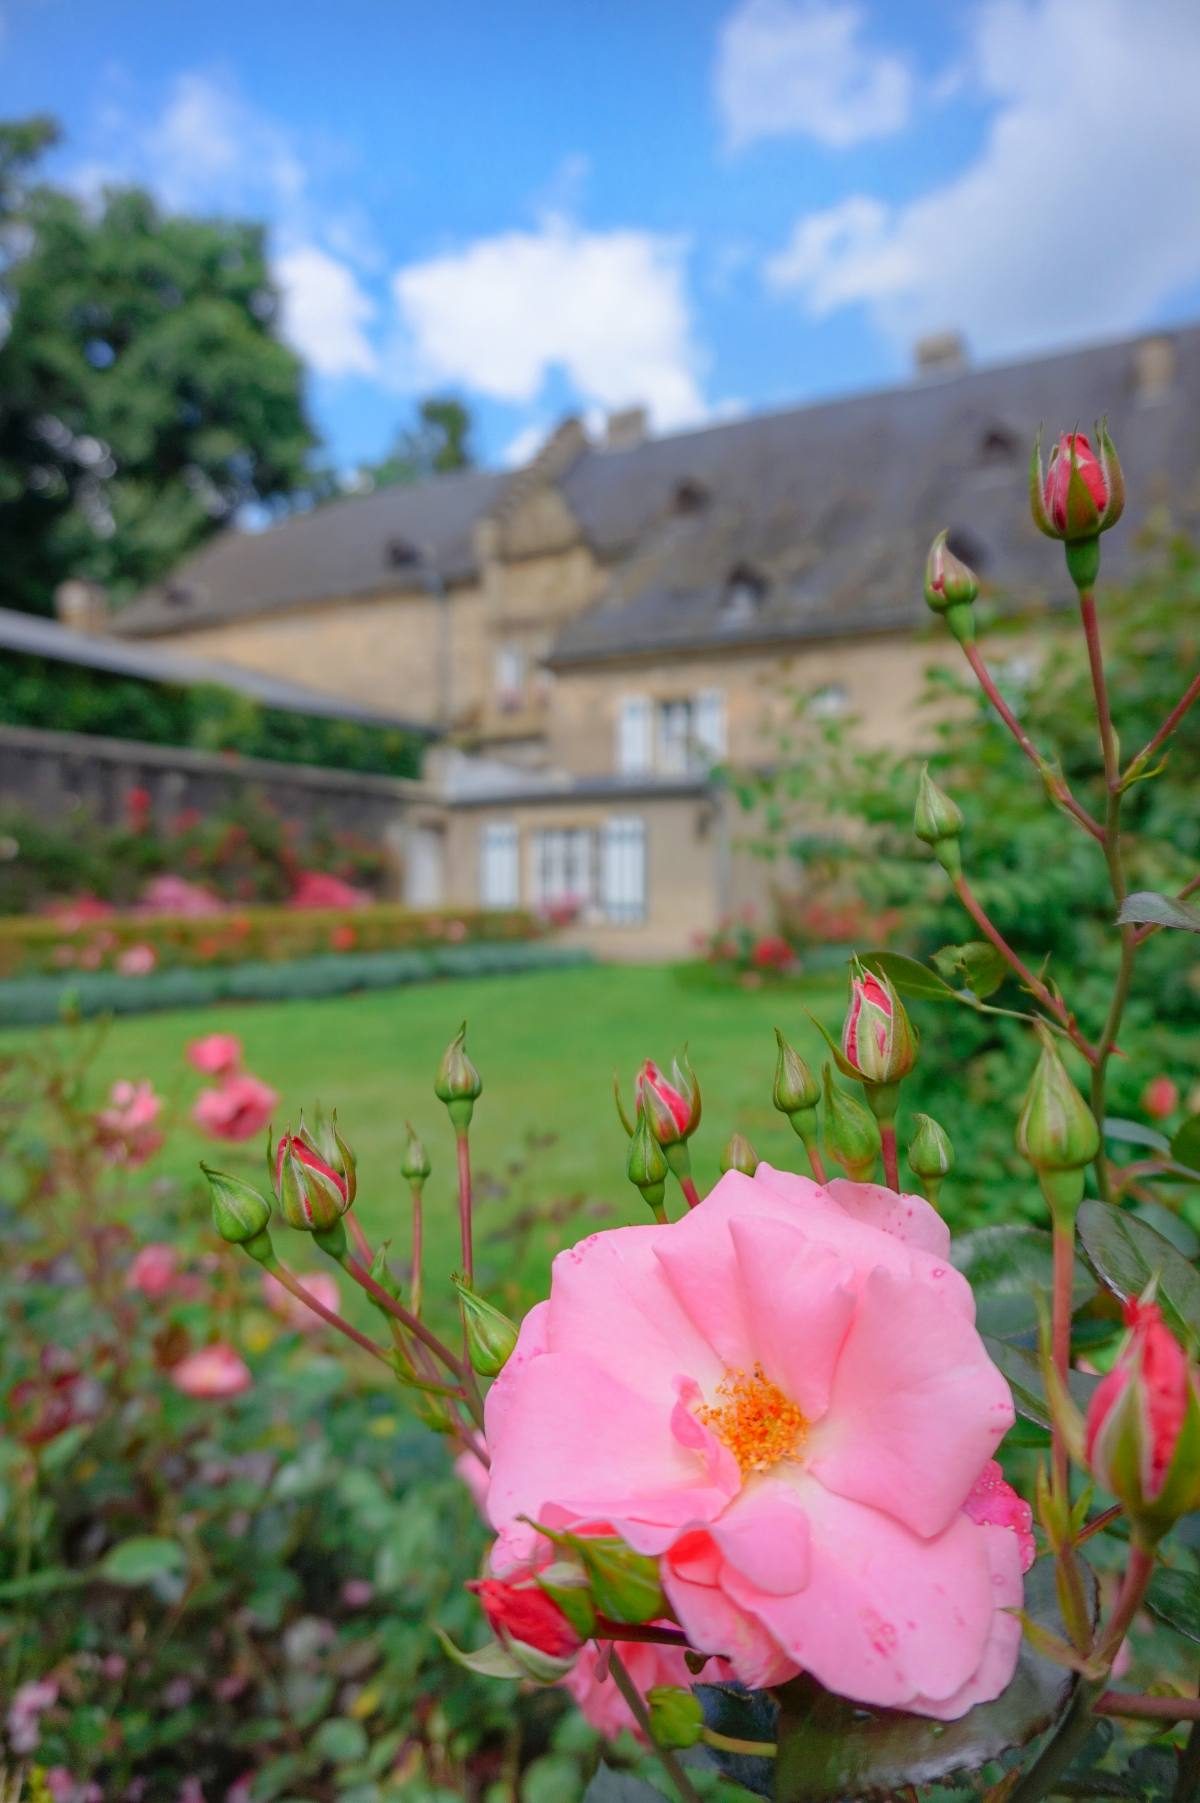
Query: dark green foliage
{"x": 147, "y": 394}
{"x": 439, "y": 441}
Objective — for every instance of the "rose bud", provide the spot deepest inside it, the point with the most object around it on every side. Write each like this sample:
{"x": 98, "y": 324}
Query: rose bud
{"x": 851, "y": 1132}
{"x": 1142, "y": 1439}
{"x": 312, "y": 1195}
{"x": 414, "y": 1161}
{"x": 950, "y": 588}
{"x": 531, "y": 1625}
{"x": 240, "y": 1214}
{"x": 878, "y": 1039}
{"x": 930, "y": 1156}
{"x": 335, "y": 1150}
{"x": 1160, "y": 1098}
{"x": 938, "y": 822}
{"x": 796, "y": 1092}
{"x": 739, "y": 1155}
{"x": 457, "y": 1083}
{"x": 646, "y": 1167}
{"x": 676, "y": 1718}
{"x": 491, "y": 1336}
{"x": 1078, "y": 496}
{"x": 1056, "y": 1132}
{"x": 672, "y": 1109}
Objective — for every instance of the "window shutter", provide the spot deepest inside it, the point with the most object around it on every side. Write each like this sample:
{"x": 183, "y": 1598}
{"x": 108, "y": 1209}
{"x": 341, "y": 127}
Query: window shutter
{"x": 499, "y": 878}
{"x": 710, "y": 723}
{"x": 623, "y": 870}
{"x": 633, "y": 735}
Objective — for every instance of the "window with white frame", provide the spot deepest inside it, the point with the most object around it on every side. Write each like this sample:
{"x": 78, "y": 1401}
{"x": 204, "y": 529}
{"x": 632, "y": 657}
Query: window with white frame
{"x": 623, "y": 870}
{"x": 499, "y": 865}
{"x": 690, "y": 732}
{"x": 562, "y": 868}
{"x": 511, "y": 672}
{"x": 634, "y": 728}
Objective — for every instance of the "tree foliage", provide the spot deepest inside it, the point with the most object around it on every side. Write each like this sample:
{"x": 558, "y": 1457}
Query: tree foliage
{"x": 145, "y": 395}
{"x": 438, "y": 441}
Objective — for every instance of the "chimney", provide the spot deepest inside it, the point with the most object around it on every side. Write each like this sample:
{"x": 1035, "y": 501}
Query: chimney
{"x": 628, "y": 427}
{"x": 1153, "y": 369}
{"x": 940, "y": 354}
{"x": 81, "y": 605}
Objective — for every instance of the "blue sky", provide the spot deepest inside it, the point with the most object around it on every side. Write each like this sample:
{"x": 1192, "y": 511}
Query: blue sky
{"x": 701, "y": 205}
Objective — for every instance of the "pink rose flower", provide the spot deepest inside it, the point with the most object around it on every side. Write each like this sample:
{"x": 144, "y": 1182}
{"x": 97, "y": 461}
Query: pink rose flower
{"x": 240, "y": 1108}
{"x": 1160, "y": 1098}
{"x": 214, "y": 1372}
{"x": 216, "y": 1055}
{"x": 154, "y": 1270}
{"x": 647, "y": 1664}
{"x": 137, "y": 961}
{"x": 126, "y": 1128}
{"x": 783, "y": 1397}
{"x": 321, "y": 1286}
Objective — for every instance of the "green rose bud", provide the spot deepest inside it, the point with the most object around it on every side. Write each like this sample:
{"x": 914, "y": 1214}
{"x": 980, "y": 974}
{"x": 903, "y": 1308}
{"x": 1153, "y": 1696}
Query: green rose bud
{"x": 851, "y": 1132}
{"x": 739, "y": 1155}
{"x": 646, "y": 1167}
{"x": 938, "y": 823}
{"x": 414, "y": 1161}
{"x": 676, "y": 1718}
{"x": 930, "y": 1155}
{"x": 240, "y": 1214}
{"x": 457, "y": 1083}
{"x": 1056, "y": 1131}
{"x": 491, "y": 1336}
{"x": 335, "y": 1150}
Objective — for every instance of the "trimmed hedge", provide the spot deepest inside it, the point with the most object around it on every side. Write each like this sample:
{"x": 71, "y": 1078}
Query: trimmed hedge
{"x": 35, "y": 945}
{"x": 38, "y": 1001}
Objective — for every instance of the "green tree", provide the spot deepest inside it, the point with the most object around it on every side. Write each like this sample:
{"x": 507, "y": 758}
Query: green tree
{"x": 145, "y": 395}
{"x": 438, "y": 441}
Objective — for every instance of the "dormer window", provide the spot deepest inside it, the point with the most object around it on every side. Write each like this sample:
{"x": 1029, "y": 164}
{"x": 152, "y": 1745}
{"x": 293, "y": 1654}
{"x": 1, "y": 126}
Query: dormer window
{"x": 998, "y": 446}
{"x": 744, "y": 592}
{"x": 690, "y": 496}
{"x": 401, "y": 554}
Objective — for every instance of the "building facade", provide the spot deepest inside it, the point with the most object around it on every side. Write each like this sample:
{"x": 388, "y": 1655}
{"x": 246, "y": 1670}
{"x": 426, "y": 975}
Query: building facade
{"x": 590, "y": 635}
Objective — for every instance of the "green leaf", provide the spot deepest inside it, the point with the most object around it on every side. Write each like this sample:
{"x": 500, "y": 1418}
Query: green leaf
{"x": 832, "y": 1749}
{"x": 1021, "y": 1370}
{"x": 1174, "y": 1596}
{"x": 491, "y": 1661}
{"x": 609, "y": 1786}
{"x": 1185, "y": 1143}
{"x": 1127, "y": 1253}
{"x": 976, "y": 966}
{"x": 1147, "y": 908}
{"x": 141, "y": 1560}
{"x": 1133, "y": 1133}
{"x": 910, "y": 977}
{"x": 1007, "y": 1267}
{"x": 340, "y": 1740}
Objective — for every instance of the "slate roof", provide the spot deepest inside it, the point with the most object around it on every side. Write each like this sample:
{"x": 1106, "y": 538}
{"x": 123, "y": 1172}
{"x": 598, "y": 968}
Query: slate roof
{"x": 829, "y": 507}
{"x": 34, "y": 636}
{"x": 342, "y": 548}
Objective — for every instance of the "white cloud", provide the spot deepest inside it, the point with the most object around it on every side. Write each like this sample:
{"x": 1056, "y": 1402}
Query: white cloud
{"x": 326, "y": 315}
{"x": 1079, "y": 215}
{"x": 608, "y": 309}
{"x": 525, "y": 444}
{"x": 802, "y": 68}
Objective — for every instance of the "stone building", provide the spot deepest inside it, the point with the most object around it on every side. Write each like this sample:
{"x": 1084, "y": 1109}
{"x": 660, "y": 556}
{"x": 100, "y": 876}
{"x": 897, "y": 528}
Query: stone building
{"x": 591, "y": 633}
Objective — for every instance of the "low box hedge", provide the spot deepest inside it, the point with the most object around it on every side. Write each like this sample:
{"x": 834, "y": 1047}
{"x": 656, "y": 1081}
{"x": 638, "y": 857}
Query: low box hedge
{"x": 32, "y": 945}
{"x": 39, "y": 1000}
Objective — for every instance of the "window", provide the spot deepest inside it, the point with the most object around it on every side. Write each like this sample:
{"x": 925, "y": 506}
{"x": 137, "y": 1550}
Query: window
{"x": 675, "y": 737}
{"x": 499, "y": 876}
{"x": 691, "y": 733}
{"x": 562, "y": 870}
{"x": 710, "y": 724}
{"x": 510, "y": 676}
{"x": 690, "y": 496}
{"x": 744, "y": 591}
{"x": 633, "y": 735}
{"x": 623, "y": 870}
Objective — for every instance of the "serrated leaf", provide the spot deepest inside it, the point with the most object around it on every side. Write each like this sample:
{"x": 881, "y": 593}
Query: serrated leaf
{"x": 976, "y": 966}
{"x": 832, "y": 1749}
{"x": 910, "y": 977}
{"x": 141, "y": 1560}
{"x": 1174, "y": 1596}
{"x": 1127, "y": 1254}
{"x": 1020, "y": 1369}
{"x": 1007, "y": 1266}
{"x": 1148, "y": 908}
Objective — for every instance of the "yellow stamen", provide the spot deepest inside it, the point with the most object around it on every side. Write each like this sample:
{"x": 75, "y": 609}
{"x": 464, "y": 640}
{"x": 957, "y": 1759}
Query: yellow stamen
{"x": 755, "y": 1420}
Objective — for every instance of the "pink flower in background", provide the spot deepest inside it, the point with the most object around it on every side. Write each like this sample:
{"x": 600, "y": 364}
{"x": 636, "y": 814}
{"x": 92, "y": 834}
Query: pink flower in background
{"x": 126, "y": 1128}
{"x": 239, "y": 1109}
{"x": 783, "y": 1397}
{"x": 214, "y": 1372}
{"x": 171, "y": 894}
{"x": 29, "y": 1703}
{"x": 154, "y": 1270}
{"x": 137, "y": 961}
{"x": 216, "y": 1055}
{"x": 1160, "y": 1098}
{"x": 320, "y": 889}
{"x": 321, "y": 1286}
{"x": 601, "y": 1702}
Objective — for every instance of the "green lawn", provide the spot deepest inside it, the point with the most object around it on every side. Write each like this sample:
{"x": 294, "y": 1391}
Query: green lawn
{"x": 546, "y": 1044}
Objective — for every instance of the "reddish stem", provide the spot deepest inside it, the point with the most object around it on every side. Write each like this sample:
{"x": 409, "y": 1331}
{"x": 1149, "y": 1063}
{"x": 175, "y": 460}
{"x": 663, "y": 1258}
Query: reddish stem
{"x": 405, "y": 1316}
{"x": 296, "y": 1288}
{"x": 359, "y": 1237}
{"x": 1034, "y": 984}
{"x": 1060, "y": 1331}
{"x": 984, "y": 678}
{"x": 1148, "y": 1709}
{"x": 891, "y": 1156}
{"x": 417, "y": 1240}
{"x": 1190, "y": 695}
{"x": 691, "y": 1194}
{"x": 1098, "y": 1523}
{"x": 1108, "y": 738}
{"x": 816, "y": 1163}
{"x": 464, "y": 1207}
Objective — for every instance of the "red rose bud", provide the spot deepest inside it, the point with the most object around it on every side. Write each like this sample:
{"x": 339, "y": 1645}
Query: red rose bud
{"x": 1056, "y": 1132}
{"x": 1142, "y": 1439}
{"x": 531, "y": 1625}
{"x": 851, "y": 1132}
{"x": 1079, "y": 495}
{"x": 1160, "y": 1098}
{"x": 335, "y": 1150}
{"x": 671, "y": 1109}
{"x": 312, "y": 1195}
{"x": 878, "y": 1040}
{"x": 950, "y": 588}
{"x": 457, "y": 1083}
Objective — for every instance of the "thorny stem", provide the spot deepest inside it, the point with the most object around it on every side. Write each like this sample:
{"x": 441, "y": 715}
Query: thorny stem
{"x": 1190, "y": 694}
{"x": 417, "y": 1248}
{"x": 293, "y": 1285}
{"x": 1036, "y": 987}
{"x": 984, "y": 678}
{"x": 641, "y": 1716}
{"x": 464, "y": 1207}
{"x": 891, "y": 1157}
